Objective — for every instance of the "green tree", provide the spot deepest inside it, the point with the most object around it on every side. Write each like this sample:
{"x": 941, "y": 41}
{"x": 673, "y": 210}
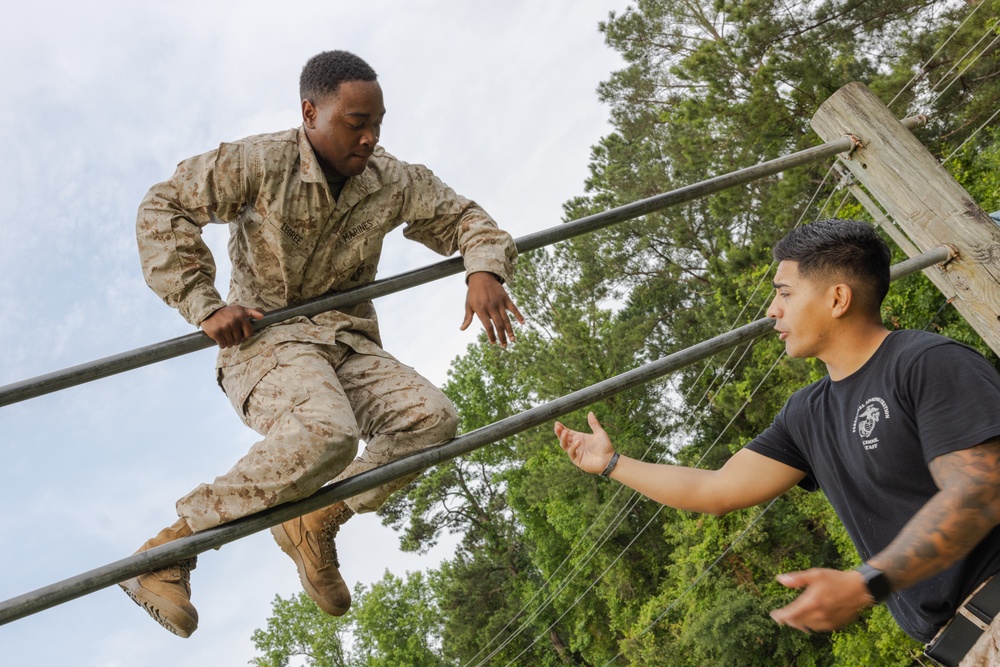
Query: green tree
{"x": 297, "y": 627}
{"x": 395, "y": 623}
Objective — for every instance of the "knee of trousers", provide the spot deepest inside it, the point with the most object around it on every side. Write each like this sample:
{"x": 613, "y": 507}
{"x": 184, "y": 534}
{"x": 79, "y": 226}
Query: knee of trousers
{"x": 319, "y": 453}
{"x": 442, "y": 424}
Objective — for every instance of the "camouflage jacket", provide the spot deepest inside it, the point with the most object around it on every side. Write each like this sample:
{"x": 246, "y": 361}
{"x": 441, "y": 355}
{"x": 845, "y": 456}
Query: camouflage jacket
{"x": 290, "y": 240}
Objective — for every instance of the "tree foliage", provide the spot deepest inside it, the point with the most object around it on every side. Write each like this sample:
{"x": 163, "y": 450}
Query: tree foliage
{"x": 556, "y": 567}
{"x": 395, "y": 623}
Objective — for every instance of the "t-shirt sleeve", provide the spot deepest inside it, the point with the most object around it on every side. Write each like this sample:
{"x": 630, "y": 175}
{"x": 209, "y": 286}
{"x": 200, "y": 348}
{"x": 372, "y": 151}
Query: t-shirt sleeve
{"x": 777, "y": 443}
{"x": 955, "y": 395}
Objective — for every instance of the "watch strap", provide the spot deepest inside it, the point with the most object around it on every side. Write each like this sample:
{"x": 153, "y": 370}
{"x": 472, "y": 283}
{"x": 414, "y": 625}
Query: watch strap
{"x": 876, "y": 581}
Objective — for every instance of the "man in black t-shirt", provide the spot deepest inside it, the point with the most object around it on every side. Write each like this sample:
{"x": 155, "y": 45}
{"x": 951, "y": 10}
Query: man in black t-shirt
{"x": 903, "y": 436}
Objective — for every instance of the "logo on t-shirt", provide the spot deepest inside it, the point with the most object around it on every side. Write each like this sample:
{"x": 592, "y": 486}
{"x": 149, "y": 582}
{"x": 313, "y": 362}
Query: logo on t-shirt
{"x": 869, "y": 414}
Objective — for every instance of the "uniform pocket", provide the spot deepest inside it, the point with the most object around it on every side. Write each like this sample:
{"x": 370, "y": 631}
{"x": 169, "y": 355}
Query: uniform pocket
{"x": 240, "y": 379}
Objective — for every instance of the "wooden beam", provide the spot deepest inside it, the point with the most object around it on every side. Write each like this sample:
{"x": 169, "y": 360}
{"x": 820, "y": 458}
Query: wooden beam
{"x": 924, "y": 200}
{"x": 882, "y": 221}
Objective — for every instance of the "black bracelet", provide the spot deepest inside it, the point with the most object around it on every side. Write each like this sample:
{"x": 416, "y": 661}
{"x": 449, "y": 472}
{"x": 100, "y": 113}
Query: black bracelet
{"x": 611, "y": 465}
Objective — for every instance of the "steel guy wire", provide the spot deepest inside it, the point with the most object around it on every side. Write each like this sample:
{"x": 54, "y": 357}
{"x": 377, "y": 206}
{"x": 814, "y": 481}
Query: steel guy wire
{"x": 615, "y": 522}
{"x": 920, "y": 72}
{"x": 632, "y": 501}
{"x": 971, "y": 136}
{"x": 640, "y": 532}
{"x": 972, "y": 62}
{"x": 591, "y": 586}
{"x": 595, "y": 546}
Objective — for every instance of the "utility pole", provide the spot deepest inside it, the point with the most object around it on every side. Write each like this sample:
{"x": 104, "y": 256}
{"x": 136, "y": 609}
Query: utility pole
{"x": 927, "y": 204}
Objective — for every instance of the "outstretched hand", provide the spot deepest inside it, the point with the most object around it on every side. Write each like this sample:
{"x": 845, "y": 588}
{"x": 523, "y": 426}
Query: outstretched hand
{"x": 488, "y": 300}
{"x": 588, "y": 451}
{"x": 830, "y": 599}
{"x": 230, "y": 325}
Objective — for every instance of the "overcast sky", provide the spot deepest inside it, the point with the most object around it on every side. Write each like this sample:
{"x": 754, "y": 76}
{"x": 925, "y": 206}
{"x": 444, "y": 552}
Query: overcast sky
{"x": 100, "y": 100}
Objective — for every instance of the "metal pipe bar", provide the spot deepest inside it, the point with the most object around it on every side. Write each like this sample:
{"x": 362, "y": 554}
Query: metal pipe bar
{"x": 161, "y": 556}
{"x": 175, "y": 347}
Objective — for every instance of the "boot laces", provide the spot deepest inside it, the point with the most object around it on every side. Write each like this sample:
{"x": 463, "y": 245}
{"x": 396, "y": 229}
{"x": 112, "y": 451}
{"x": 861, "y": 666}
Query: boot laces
{"x": 181, "y": 570}
{"x": 328, "y": 537}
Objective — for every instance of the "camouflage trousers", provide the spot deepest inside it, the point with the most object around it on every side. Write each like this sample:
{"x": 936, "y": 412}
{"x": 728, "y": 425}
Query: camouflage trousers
{"x": 313, "y": 403}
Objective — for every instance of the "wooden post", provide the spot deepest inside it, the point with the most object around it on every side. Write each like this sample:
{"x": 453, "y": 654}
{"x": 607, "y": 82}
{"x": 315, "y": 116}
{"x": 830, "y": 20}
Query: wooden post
{"x": 883, "y": 222}
{"x": 923, "y": 199}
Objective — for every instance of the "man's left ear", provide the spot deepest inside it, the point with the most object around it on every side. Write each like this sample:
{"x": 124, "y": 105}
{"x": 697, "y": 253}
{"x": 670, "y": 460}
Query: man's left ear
{"x": 841, "y": 298}
{"x": 309, "y": 114}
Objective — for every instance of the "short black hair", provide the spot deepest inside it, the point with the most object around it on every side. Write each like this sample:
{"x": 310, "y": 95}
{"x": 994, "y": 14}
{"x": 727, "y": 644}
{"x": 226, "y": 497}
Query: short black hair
{"x": 849, "y": 250}
{"x": 324, "y": 72}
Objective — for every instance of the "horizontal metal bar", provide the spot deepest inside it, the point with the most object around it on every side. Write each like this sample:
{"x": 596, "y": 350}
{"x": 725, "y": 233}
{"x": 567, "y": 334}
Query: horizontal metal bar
{"x": 158, "y": 557}
{"x": 938, "y": 255}
{"x": 175, "y": 347}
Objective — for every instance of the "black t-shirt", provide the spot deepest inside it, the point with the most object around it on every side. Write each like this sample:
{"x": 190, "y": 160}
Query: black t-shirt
{"x": 866, "y": 441}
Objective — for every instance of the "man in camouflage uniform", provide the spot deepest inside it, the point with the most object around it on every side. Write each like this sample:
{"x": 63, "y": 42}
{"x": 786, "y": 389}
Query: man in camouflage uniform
{"x": 308, "y": 209}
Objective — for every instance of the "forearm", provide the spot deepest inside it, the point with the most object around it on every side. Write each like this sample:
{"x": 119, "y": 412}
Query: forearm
{"x": 747, "y": 479}
{"x": 944, "y": 531}
{"x": 952, "y": 522}
{"x": 484, "y": 246}
{"x": 690, "y": 489}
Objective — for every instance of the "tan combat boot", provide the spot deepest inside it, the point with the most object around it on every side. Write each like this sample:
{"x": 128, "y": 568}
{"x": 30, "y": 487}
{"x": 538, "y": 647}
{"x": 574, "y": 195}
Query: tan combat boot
{"x": 309, "y": 540}
{"x": 166, "y": 594}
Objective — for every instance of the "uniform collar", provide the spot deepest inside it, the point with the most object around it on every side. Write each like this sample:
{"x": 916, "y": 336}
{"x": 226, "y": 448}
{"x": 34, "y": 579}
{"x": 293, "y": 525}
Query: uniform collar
{"x": 356, "y": 188}
{"x": 310, "y": 171}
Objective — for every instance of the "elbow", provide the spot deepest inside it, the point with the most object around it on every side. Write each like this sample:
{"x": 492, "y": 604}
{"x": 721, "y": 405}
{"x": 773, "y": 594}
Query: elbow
{"x": 721, "y": 505}
{"x": 719, "y": 511}
{"x": 713, "y": 506}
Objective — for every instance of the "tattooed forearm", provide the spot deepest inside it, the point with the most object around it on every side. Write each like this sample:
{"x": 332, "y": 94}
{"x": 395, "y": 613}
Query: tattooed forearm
{"x": 953, "y": 522}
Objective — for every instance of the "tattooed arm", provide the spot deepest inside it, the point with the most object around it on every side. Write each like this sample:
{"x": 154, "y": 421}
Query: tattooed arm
{"x": 953, "y": 522}
{"x": 963, "y": 511}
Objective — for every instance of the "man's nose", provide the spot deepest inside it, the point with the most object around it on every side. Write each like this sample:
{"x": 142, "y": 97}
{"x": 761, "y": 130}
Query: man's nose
{"x": 772, "y": 310}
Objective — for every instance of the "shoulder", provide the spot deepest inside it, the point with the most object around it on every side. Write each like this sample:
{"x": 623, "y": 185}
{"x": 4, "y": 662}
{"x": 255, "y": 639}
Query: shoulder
{"x": 285, "y": 142}
{"x": 387, "y": 168}
{"x": 384, "y": 162}
{"x": 806, "y": 397}
{"x": 915, "y": 341}
{"x": 906, "y": 347}
{"x": 271, "y": 139}
{"x": 228, "y": 153}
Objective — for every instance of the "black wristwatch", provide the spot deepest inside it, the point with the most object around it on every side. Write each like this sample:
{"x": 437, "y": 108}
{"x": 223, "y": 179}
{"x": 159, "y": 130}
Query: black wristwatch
{"x": 876, "y": 581}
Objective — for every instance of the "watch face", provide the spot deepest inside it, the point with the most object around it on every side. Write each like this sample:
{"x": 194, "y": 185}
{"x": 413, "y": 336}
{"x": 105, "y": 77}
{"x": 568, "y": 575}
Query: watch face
{"x": 876, "y": 580}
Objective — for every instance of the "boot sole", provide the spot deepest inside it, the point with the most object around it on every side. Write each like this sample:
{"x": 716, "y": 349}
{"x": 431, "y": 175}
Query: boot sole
{"x": 286, "y": 544}
{"x": 152, "y": 603}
